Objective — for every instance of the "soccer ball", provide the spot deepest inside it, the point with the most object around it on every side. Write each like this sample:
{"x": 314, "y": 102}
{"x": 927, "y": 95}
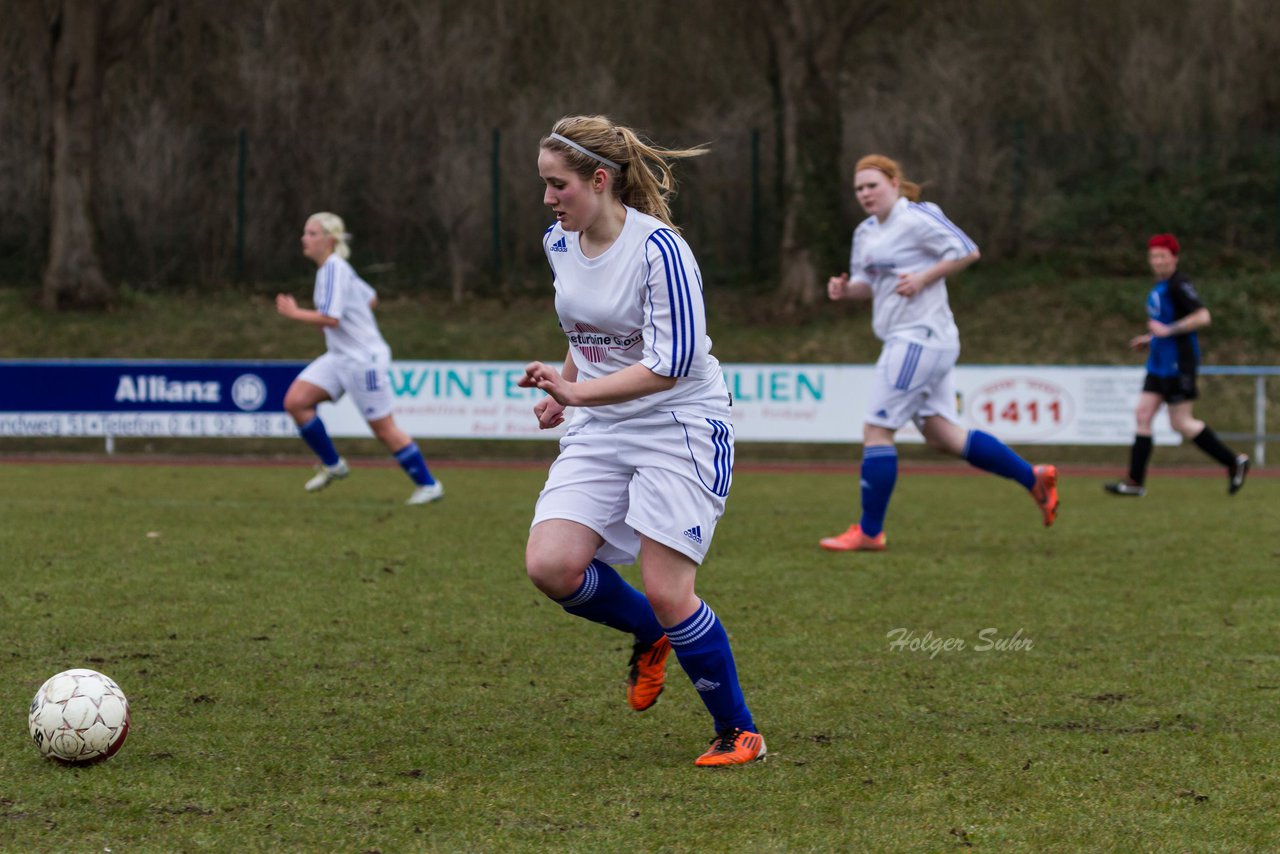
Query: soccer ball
{"x": 79, "y": 716}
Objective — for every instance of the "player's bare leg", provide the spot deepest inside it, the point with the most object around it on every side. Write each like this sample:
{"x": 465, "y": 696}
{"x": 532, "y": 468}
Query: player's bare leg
{"x": 405, "y": 450}
{"x": 990, "y": 454}
{"x": 300, "y": 401}
{"x": 1134, "y": 486}
{"x": 560, "y": 559}
{"x": 702, "y": 647}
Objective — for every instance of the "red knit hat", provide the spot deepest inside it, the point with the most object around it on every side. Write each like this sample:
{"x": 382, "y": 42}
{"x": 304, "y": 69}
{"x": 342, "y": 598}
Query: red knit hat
{"x": 1164, "y": 241}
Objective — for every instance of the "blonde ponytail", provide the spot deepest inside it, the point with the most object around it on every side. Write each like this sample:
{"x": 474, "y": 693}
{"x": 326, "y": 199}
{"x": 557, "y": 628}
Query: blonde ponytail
{"x": 332, "y": 225}
{"x": 643, "y": 177}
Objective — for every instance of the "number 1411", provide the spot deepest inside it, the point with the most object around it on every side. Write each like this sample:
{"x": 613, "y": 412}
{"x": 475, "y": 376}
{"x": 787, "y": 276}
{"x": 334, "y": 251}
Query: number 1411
{"x": 1015, "y": 411}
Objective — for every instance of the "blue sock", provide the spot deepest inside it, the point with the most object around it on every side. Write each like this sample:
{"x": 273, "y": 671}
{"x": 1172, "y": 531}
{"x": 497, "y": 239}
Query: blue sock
{"x": 990, "y": 454}
{"x": 879, "y": 474}
{"x": 411, "y": 460}
{"x": 606, "y": 597}
{"x": 317, "y": 438}
{"x": 702, "y": 647}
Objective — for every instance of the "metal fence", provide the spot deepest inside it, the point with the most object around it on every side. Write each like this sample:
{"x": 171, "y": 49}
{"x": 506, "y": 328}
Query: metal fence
{"x": 1259, "y": 435}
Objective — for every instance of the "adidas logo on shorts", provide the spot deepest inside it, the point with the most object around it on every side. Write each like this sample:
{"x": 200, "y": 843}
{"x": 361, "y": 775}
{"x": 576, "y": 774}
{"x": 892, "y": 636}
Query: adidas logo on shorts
{"x": 695, "y": 534}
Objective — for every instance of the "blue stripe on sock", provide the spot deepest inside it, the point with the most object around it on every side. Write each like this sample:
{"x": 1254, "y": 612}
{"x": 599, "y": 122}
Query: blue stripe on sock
{"x": 693, "y": 628}
{"x": 590, "y": 583}
{"x": 605, "y": 597}
{"x": 414, "y": 464}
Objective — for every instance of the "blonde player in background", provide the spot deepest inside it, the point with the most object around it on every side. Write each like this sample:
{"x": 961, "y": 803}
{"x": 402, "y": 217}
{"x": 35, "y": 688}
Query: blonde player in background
{"x": 645, "y": 467}
{"x": 901, "y": 256}
{"x": 357, "y": 362}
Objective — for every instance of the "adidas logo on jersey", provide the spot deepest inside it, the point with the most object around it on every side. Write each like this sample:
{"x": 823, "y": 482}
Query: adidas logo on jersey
{"x": 880, "y": 413}
{"x": 559, "y": 246}
{"x": 695, "y": 534}
{"x": 705, "y": 685}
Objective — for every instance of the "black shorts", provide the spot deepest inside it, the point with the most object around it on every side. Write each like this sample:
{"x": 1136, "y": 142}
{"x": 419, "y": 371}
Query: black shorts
{"x": 1178, "y": 388}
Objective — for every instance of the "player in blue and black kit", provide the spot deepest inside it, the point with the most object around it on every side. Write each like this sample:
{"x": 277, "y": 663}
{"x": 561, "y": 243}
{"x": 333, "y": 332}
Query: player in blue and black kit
{"x": 1174, "y": 314}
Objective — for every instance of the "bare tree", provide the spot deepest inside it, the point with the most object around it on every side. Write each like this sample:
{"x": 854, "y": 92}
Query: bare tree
{"x": 386, "y": 112}
{"x": 85, "y": 38}
{"x": 807, "y": 41}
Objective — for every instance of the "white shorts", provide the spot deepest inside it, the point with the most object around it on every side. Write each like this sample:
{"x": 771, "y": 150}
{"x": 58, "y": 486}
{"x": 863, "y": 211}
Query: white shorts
{"x": 665, "y": 475}
{"x": 913, "y": 381}
{"x": 368, "y": 383}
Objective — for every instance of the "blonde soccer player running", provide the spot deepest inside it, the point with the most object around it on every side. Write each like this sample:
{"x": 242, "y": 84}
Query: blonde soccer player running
{"x": 902, "y": 254}
{"x": 646, "y": 464}
{"x": 356, "y": 362}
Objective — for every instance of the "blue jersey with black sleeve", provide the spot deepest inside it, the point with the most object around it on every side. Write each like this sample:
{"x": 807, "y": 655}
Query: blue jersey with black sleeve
{"x": 1169, "y": 302}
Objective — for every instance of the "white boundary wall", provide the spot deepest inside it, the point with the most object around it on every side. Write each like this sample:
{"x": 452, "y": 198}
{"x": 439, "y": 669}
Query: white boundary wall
{"x": 1022, "y": 404}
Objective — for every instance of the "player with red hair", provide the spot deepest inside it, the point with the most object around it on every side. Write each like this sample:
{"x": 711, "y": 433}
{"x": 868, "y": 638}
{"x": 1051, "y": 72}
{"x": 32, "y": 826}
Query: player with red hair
{"x": 1175, "y": 313}
{"x": 902, "y": 255}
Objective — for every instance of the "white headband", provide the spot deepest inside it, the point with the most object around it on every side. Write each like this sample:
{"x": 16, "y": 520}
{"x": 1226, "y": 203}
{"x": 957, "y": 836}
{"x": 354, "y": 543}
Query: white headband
{"x": 606, "y": 161}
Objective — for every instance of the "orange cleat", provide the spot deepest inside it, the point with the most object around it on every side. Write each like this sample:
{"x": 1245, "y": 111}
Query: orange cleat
{"x": 648, "y": 673}
{"x": 1045, "y": 492}
{"x": 733, "y": 747}
{"x": 853, "y": 540}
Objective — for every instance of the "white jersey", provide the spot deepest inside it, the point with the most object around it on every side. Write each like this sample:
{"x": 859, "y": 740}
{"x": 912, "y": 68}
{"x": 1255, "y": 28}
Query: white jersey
{"x": 342, "y": 294}
{"x": 640, "y": 301}
{"x": 914, "y": 237}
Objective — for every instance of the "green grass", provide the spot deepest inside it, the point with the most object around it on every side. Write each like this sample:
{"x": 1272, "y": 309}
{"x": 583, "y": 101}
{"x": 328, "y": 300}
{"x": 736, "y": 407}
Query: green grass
{"x": 340, "y": 672}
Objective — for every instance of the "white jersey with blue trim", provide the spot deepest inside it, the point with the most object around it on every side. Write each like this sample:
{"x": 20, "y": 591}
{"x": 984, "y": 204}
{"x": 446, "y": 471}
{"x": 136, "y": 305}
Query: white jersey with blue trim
{"x": 914, "y": 237}
{"x": 639, "y": 301}
{"x": 342, "y": 294}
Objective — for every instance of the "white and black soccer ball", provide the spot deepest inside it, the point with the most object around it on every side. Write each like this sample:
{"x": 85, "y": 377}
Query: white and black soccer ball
{"x": 79, "y": 716}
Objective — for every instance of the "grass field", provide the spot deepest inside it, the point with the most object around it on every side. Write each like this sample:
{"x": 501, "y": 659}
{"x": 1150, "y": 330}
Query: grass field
{"x": 339, "y": 672}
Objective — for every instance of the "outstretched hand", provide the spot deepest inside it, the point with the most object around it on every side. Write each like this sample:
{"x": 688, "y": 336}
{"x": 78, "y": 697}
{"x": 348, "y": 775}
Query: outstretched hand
{"x": 837, "y": 286}
{"x": 1139, "y": 342}
{"x": 286, "y": 305}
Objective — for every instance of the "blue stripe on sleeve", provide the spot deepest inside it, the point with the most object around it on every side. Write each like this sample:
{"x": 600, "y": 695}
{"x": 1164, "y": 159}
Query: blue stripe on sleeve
{"x": 326, "y": 288}
{"x": 682, "y": 316}
{"x": 937, "y": 216}
{"x": 673, "y": 301}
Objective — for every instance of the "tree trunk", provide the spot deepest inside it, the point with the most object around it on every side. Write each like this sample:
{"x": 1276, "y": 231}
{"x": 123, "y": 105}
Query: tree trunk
{"x": 73, "y": 277}
{"x": 811, "y": 132}
{"x": 808, "y": 39}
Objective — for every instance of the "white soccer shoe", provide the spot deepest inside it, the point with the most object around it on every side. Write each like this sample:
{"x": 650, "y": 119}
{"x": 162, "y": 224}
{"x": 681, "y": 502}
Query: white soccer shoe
{"x": 327, "y": 474}
{"x": 427, "y": 494}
